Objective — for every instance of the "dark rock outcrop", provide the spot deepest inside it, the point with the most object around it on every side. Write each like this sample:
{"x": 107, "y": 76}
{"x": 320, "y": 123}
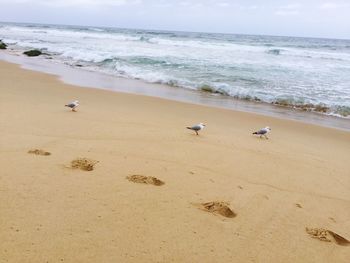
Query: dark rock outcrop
{"x": 33, "y": 53}
{"x": 2, "y": 45}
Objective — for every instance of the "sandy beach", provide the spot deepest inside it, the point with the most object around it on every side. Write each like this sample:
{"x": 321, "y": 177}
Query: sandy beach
{"x": 49, "y": 212}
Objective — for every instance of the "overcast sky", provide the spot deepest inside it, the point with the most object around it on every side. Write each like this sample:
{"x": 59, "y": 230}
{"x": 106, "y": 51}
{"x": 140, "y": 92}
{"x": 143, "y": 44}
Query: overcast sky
{"x": 317, "y": 18}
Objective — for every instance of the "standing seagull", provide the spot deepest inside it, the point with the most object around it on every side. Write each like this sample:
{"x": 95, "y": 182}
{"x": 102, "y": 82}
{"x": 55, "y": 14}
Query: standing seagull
{"x": 263, "y": 132}
{"x": 197, "y": 127}
{"x": 73, "y": 105}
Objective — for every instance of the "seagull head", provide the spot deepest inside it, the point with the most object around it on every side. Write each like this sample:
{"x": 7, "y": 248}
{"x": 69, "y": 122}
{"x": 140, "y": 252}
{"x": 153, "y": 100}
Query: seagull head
{"x": 268, "y": 128}
{"x": 76, "y": 101}
{"x": 202, "y": 124}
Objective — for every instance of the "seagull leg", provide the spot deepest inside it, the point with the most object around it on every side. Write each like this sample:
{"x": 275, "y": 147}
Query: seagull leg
{"x": 196, "y": 132}
{"x": 266, "y": 137}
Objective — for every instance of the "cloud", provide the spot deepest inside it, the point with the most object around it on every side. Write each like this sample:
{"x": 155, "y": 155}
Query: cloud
{"x": 331, "y": 5}
{"x": 223, "y": 4}
{"x": 288, "y": 10}
{"x": 253, "y": 7}
{"x": 81, "y": 3}
{"x": 292, "y": 6}
{"x": 287, "y": 13}
{"x": 185, "y": 3}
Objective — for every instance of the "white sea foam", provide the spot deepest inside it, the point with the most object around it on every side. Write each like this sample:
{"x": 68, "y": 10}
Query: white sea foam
{"x": 297, "y": 72}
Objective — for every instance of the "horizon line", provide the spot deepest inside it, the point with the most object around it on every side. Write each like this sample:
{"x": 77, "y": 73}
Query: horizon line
{"x": 171, "y": 30}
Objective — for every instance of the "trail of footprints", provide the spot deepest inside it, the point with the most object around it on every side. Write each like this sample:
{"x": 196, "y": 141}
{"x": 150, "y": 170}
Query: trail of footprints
{"x": 215, "y": 207}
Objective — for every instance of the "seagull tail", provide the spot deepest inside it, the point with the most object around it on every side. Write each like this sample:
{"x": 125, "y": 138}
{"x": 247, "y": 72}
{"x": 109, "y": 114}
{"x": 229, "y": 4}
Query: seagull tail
{"x": 189, "y": 128}
{"x": 255, "y": 133}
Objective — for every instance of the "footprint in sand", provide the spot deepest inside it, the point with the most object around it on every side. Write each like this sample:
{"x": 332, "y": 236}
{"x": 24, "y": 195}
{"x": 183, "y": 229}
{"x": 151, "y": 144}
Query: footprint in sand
{"x": 327, "y": 236}
{"x": 39, "y": 152}
{"x": 141, "y": 179}
{"x": 220, "y": 208}
{"x": 332, "y": 219}
{"x": 83, "y": 164}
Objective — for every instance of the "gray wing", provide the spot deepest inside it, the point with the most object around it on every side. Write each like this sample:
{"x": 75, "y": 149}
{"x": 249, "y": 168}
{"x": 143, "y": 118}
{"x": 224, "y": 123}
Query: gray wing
{"x": 196, "y": 128}
{"x": 261, "y": 132}
{"x": 71, "y": 105}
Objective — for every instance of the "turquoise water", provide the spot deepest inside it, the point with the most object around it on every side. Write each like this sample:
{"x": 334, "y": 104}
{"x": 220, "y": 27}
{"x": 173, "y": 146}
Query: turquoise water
{"x": 305, "y": 73}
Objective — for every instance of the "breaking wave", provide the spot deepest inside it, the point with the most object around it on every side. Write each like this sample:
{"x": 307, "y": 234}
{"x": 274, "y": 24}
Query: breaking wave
{"x": 299, "y": 73}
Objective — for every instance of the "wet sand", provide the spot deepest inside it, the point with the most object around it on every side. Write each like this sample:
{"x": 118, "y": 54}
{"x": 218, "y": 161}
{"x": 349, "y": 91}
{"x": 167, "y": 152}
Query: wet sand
{"x": 224, "y": 196}
{"x": 87, "y": 77}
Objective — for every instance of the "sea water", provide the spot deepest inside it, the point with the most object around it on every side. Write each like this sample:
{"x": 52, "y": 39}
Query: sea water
{"x": 305, "y": 73}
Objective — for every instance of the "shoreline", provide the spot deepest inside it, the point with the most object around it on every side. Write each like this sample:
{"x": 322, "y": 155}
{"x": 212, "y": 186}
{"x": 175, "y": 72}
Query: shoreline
{"x": 99, "y": 80}
{"x": 279, "y": 190}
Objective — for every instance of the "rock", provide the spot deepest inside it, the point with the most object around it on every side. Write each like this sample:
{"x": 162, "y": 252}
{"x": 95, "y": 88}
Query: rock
{"x": 321, "y": 108}
{"x": 33, "y": 53}
{"x": 207, "y": 88}
{"x": 2, "y": 45}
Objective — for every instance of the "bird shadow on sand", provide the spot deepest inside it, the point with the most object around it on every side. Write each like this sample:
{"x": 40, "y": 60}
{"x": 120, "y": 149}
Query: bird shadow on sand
{"x": 261, "y": 138}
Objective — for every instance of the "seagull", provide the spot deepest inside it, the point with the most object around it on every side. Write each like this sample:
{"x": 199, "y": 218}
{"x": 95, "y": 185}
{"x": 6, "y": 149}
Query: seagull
{"x": 197, "y": 127}
{"x": 263, "y": 131}
{"x": 73, "y": 105}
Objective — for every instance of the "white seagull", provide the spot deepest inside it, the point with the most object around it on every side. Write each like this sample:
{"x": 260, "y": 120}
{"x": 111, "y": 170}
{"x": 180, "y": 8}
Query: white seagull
{"x": 197, "y": 127}
{"x": 263, "y": 132}
{"x": 73, "y": 105}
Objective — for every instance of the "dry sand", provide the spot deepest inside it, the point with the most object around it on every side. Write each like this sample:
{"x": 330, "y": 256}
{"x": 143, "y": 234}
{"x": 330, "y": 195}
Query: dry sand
{"x": 276, "y": 188}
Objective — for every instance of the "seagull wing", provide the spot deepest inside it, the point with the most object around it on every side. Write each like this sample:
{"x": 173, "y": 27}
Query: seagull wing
{"x": 196, "y": 127}
{"x": 71, "y": 105}
{"x": 262, "y": 131}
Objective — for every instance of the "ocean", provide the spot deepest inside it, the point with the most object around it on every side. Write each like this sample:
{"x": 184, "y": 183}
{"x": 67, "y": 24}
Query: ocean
{"x": 308, "y": 74}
